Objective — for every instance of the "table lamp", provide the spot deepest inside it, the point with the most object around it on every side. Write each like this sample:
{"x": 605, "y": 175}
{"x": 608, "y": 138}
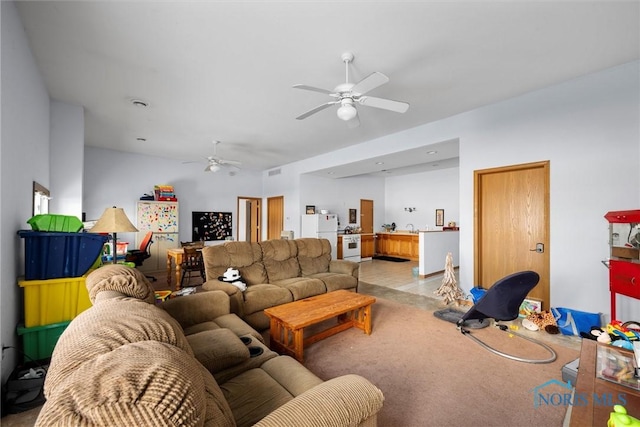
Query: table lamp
{"x": 115, "y": 221}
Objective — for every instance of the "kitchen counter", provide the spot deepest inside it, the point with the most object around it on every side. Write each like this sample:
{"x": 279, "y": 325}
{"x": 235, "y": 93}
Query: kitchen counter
{"x": 405, "y": 232}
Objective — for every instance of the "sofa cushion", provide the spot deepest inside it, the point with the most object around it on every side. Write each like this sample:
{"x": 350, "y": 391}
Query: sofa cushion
{"x": 259, "y": 297}
{"x": 218, "y": 410}
{"x": 252, "y": 395}
{"x": 120, "y": 278}
{"x": 314, "y": 255}
{"x": 238, "y": 326}
{"x": 244, "y": 256}
{"x": 302, "y": 287}
{"x": 280, "y": 259}
{"x": 218, "y": 349}
{"x": 256, "y": 360}
{"x": 194, "y": 309}
{"x": 293, "y": 376}
{"x": 335, "y": 281}
{"x": 106, "y": 327}
{"x": 201, "y": 327}
{"x": 146, "y": 383}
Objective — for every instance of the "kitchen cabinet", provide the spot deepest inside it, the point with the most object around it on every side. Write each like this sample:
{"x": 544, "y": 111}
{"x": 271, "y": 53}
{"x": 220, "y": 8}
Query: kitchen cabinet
{"x": 624, "y": 264}
{"x": 367, "y": 245}
{"x": 340, "y": 256}
{"x": 404, "y": 245}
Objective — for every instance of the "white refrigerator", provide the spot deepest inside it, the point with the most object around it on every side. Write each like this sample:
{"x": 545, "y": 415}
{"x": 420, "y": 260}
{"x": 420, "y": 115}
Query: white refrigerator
{"x": 322, "y": 227}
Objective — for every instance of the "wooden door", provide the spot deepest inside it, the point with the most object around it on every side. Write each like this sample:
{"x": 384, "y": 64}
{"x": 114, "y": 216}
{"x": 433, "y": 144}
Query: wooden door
{"x": 367, "y": 240}
{"x": 511, "y": 220}
{"x": 252, "y": 219}
{"x": 275, "y": 217}
{"x": 366, "y": 215}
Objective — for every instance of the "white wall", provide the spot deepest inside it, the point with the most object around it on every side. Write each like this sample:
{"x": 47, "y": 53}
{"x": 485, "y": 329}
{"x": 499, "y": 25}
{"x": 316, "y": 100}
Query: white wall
{"x": 67, "y": 148}
{"x": 114, "y": 178}
{"x": 24, "y": 158}
{"x": 340, "y": 195}
{"x": 588, "y": 128}
{"x": 425, "y": 191}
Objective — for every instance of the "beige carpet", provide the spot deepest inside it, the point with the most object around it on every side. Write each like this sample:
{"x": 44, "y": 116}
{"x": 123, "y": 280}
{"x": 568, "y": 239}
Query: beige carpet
{"x": 432, "y": 375}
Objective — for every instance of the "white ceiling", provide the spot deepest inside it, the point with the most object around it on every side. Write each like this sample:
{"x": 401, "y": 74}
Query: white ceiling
{"x": 225, "y": 70}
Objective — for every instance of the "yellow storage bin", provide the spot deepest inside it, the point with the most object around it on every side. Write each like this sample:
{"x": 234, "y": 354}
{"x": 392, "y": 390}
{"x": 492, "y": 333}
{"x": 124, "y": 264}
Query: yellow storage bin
{"x": 53, "y": 300}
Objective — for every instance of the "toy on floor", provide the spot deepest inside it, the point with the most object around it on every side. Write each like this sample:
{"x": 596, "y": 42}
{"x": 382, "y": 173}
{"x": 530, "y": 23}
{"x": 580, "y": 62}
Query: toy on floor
{"x": 232, "y": 276}
{"x": 620, "y": 418}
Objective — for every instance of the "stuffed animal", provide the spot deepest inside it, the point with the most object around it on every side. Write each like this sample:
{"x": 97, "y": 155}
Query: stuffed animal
{"x": 232, "y": 276}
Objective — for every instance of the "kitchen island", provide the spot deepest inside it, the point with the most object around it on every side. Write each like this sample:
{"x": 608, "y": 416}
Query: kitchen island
{"x": 403, "y": 244}
{"x": 433, "y": 248}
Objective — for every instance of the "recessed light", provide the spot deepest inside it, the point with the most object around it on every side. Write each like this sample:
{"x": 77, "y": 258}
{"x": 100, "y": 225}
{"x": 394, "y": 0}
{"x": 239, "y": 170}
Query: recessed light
{"x": 432, "y": 152}
{"x": 139, "y": 103}
{"x": 379, "y": 163}
{"x": 331, "y": 173}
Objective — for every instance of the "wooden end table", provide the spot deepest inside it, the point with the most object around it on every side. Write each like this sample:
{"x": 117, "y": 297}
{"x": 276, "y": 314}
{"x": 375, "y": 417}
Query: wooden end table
{"x": 288, "y": 321}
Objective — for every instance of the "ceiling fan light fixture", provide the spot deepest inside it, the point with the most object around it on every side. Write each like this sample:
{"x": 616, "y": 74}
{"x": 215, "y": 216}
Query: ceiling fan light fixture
{"x": 212, "y": 168}
{"x": 347, "y": 111}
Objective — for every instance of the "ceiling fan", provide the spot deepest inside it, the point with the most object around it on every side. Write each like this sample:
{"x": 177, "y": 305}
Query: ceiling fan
{"x": 347, "y": 95}
{"x": 216, "y": 163}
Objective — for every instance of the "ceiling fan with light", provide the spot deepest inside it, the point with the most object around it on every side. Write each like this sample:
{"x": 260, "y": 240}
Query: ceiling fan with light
{"x": 347, "y": 95}
{"x": 215, "y": 163}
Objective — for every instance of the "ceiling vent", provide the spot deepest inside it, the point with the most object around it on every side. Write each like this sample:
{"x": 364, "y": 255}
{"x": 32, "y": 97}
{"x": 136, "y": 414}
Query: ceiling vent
{"x": 275, "y": 172}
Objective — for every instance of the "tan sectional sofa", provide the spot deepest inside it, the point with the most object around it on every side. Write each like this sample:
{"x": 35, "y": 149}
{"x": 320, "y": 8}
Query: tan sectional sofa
{"x": 186, "y": 362}
{"x": 276, "y": 272}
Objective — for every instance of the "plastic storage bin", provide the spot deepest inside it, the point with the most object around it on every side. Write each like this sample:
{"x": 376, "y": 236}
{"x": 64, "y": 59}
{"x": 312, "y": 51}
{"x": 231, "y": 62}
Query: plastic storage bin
{"x": 38, "y": 342}
{"x": 55, "y": 255}
{"x": 51, "y": 222}
{"x": 53, "y": 300}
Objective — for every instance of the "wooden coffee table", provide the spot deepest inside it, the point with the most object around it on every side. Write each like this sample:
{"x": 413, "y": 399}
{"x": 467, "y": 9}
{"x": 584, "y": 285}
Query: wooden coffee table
{"x": 287, "y": 321}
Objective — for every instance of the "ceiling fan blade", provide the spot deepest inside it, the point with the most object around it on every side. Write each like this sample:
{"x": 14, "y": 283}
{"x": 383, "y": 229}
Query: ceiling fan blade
{"x": 385, "y": 104}
{"x": 353, "y": 123}
{"x": 370, "y": 82}
{"x": 314, "y": 89}
{"x": 229, "y": 162}
{"x": 315, "y": 110}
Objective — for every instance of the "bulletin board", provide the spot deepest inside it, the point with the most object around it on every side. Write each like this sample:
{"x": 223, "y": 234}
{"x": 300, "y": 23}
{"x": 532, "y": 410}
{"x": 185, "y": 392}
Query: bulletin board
{"x": 159, "y": 217}
{"x": 209, "y": 226}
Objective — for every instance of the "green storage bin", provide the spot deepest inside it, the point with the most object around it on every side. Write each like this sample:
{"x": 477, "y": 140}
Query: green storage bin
{"x": 38, "y": 342}
{"x": 52, "y": 222}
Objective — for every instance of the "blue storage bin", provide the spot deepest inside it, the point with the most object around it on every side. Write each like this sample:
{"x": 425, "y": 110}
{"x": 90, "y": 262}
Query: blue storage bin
{"x": 54, "y": 255}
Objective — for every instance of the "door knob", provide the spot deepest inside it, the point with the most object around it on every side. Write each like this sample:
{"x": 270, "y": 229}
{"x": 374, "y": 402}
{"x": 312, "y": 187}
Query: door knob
{"x": 539, "y": 248}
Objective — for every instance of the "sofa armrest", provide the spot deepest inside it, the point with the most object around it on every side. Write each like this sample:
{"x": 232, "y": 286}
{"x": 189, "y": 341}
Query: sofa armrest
{"x": 217, "y": 285}
{"x": 348, "y": 400}
{"x": 344, "y": 266}
{"x": 196, "y": 308}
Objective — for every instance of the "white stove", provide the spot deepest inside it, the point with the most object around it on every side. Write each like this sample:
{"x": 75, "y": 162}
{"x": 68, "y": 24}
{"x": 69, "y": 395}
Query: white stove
{"x": 351, "y": 247}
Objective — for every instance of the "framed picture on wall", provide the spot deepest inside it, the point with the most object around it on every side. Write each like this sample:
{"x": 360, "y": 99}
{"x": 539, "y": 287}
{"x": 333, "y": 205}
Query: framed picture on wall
{"x": 311, "y": 209}
{"x": 439, "y": 217}
{"x": 353, "y": 216}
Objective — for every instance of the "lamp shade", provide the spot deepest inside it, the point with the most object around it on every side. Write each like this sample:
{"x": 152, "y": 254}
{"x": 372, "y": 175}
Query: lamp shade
{"x": 113, "y": 220}
{"x": 347, "y": 111}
